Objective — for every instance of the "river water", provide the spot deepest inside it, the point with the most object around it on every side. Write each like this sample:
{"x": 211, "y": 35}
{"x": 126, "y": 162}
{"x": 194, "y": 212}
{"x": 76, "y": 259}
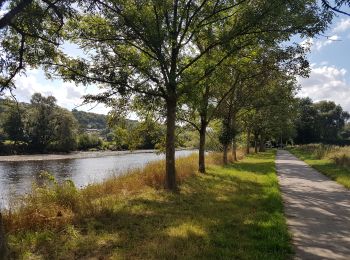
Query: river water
{"x": 17, "y": 177}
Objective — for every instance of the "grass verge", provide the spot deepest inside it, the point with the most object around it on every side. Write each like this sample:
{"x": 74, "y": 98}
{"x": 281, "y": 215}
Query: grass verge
{"x": 232, "y": 212}
{"x": 327, "y": 165}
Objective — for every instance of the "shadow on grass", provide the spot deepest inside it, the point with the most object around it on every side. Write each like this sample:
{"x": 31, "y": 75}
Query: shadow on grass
{"x": 215, "y": 216}
{"x": 255, "y": 167}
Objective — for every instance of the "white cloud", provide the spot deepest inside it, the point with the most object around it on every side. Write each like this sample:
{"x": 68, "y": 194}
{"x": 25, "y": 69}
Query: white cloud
{"x": 318, "y": 44}
{"x": 327, "y": 83}
{"x": 68, "y": 95}
{"x": 342, "y": 26}
{"x": 2, "y": 12}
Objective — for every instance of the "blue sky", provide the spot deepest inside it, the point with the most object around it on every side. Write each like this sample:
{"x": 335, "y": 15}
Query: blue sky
{"x": 330, "y": 65}
{"x": 329, "y": 78}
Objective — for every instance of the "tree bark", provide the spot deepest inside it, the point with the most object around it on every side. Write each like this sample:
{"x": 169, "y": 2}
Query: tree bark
{"x": 248, "y": 142}
{"x": 170, "y": 180}
{"x": 3, "y": 243}
{"x": 262, "y": 144}
{"x": 234, "y": 150}
{"x": 202, "y": 137}
{"x": 225, "y": 160}
{"x": 255, "y": 145}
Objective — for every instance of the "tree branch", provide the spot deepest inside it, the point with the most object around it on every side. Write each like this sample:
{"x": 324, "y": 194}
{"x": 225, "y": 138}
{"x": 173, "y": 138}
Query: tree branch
{"x": 10, "y": 15}
{"x": 335, "y": 9}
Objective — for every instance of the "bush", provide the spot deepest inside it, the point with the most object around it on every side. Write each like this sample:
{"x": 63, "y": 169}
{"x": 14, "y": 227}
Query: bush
{"x": 10, "y": 148}
{"x": 87, "y": 141}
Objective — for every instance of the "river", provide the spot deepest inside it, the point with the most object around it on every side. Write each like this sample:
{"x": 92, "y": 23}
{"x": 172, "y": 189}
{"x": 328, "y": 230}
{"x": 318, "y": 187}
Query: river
{"x": 18, "y": 176}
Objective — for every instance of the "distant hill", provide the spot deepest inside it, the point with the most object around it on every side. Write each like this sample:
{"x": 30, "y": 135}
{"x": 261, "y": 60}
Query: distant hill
{"x": 89, "y": 120}
{"x": 86, "y": 120}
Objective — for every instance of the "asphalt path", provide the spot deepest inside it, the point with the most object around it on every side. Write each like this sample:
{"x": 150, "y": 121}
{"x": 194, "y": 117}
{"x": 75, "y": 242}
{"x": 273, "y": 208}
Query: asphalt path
{"x": 317, "y": 210}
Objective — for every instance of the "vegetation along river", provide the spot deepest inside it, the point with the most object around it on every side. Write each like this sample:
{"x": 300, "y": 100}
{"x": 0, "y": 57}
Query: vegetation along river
{"x": 17, "y": 176}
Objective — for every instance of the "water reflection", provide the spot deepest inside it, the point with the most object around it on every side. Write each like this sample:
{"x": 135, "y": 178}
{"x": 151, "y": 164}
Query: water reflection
{"x": 18, "y": 177}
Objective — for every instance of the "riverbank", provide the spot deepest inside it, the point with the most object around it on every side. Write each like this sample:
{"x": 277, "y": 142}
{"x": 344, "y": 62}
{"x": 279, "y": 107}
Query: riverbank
{"x": 232, "y": 212}
{"x": 72, "y": 155}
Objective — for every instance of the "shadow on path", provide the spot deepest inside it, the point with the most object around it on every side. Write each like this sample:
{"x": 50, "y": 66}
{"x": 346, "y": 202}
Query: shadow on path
{"x": 317, "y": 210}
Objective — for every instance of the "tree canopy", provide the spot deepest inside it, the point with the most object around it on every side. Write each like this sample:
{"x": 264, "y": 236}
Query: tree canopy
{"x": 319, "y": 122}
{"x": 160, "y": 54}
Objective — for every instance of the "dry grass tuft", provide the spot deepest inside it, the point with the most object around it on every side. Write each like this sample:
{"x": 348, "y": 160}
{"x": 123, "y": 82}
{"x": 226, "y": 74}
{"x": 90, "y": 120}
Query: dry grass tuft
{"x": 55, "y": 205}
{"x": 339, "y": 155}
{"x": 216, "y": 158}
{"x": 333, "y": 161}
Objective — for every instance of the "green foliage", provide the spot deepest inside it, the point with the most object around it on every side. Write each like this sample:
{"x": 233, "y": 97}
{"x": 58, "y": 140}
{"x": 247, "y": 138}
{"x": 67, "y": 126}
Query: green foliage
{"x": 323, "y": 121}
{"x": 120, "y": 138}
{"x": 90, "y": 120}
{"x": 42, "y": 126}
{"x": 89, "y": 141}
{"x": 30, "y": 35}
{"x": 157, "y": 50}
{"x": 127, "y": 134}
{"x": 13, "y": 124}
{"x": 41, "y": 122}
{"x": 65, "y": 132}
{"x": 331, "y": 119}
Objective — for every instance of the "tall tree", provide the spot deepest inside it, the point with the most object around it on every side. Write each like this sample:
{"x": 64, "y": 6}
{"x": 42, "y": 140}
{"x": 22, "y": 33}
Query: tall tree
{"x": 306, "y": 122}
{"x": 319, "y": 122}
{"x": 261, "y": 82}
{"x": 41, "y": 125}
{"x": 331, "y": 120}
{"x": 274, "y": 111}
{"x": 65, "y": 130}
{"x": 13, "y": 124}
{"x": 147, "y": 46}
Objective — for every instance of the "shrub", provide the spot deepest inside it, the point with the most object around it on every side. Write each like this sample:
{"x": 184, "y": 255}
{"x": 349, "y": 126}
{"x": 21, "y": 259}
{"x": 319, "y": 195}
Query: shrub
{"x": 88, "y": 141}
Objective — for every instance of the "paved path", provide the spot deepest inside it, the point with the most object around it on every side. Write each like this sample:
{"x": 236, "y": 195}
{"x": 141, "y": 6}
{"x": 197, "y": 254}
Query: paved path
{"x": 317, "y": 210}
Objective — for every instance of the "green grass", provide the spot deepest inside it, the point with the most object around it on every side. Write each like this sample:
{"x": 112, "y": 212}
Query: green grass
{"x": 326, "y": 166}
{"x": 232, "y": 212}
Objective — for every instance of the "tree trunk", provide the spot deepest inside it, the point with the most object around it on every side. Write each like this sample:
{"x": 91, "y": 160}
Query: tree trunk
{"x": 255, "y": 145}
{"x": 170, "y": 180}
{"x": 248, "y": 142}
{"x": 234, "y": 150}
{"x": 3, "y": 243}
{"x": 202, "y": 137}
{"x": 262, "y": 144}
{"x": 225, "y": 160}
{"x": 203, "y": 129}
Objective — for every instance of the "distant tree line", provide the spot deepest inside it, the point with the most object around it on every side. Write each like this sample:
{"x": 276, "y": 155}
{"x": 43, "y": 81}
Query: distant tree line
{"x": 40, "y": 126}
{"x": 43, "y": 127}
{"x": 322, "y": 121}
